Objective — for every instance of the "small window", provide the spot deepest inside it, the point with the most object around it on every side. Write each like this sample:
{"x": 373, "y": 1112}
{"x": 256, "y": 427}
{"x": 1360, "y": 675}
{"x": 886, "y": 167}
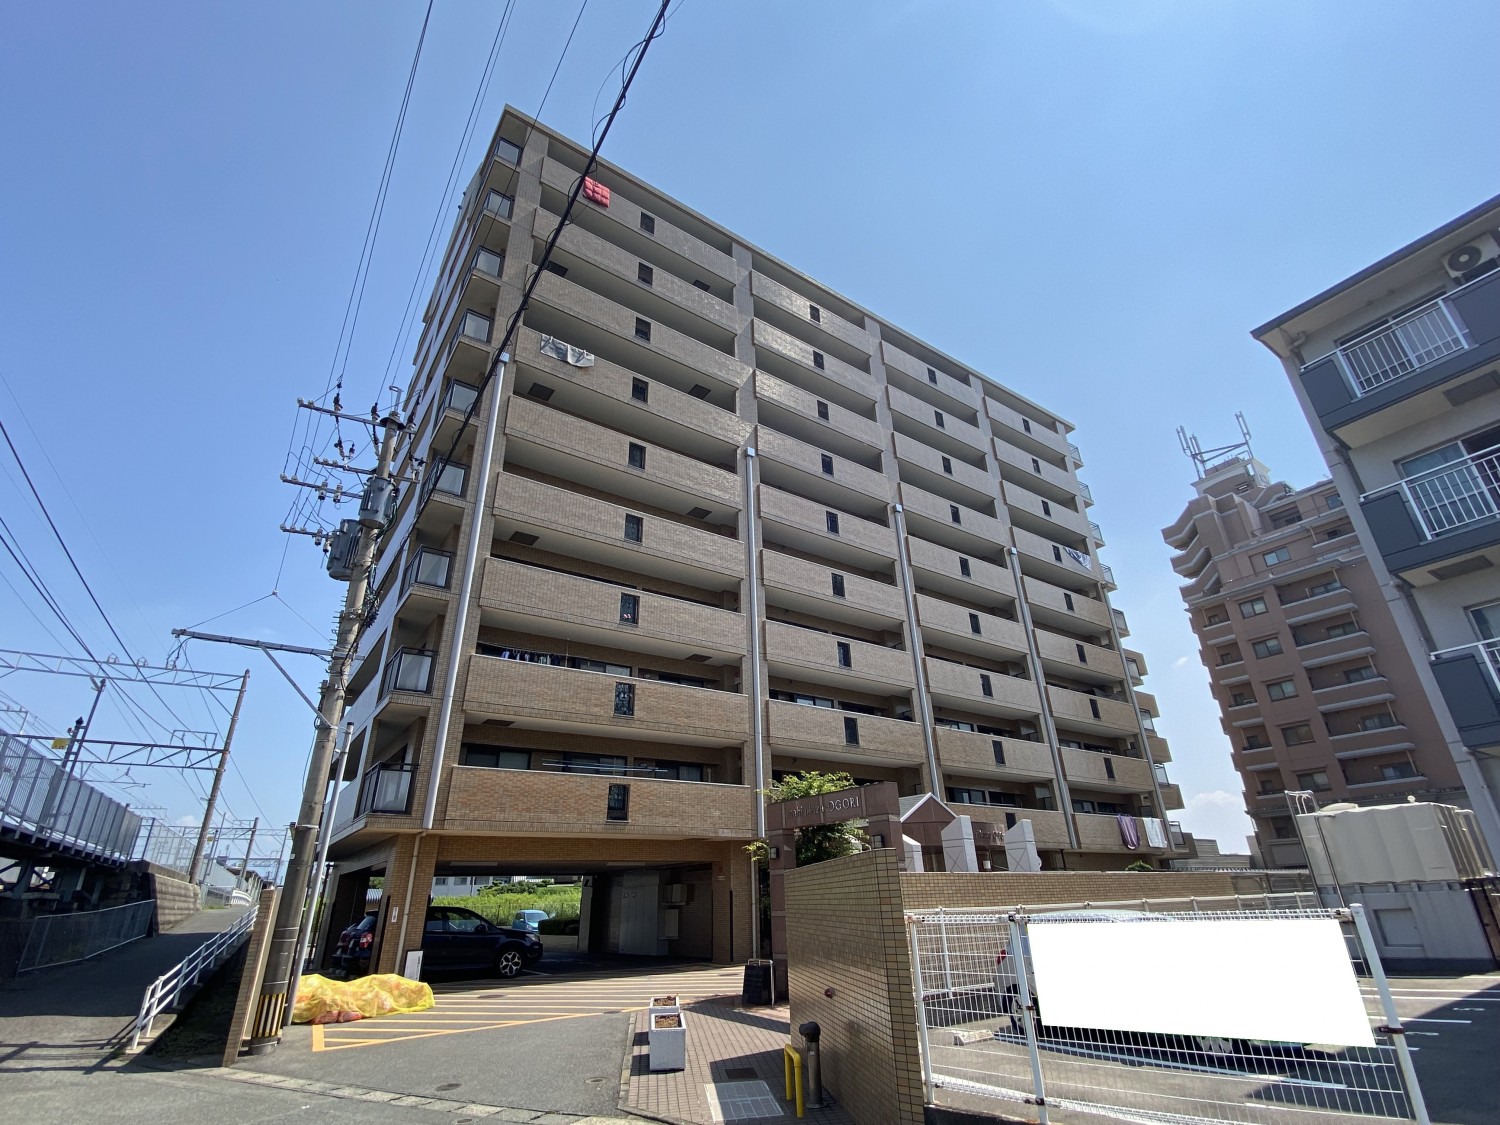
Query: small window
{"x": 640, "y": 390}
{"x": 827, "y": 465}
{"x": 1230, "y": 655}
{"x": 1297, "y": 734}
{"x": 1282, "y": 689}
{"x": 499, "y": 204}
{"x": 508, "y": 151}
{"x": 1324, "y": 588}
{"x": 1268, "y": 785}
{"x": 932, "y": 376}
{"x": 963, "y": 567}
{"x": 645, "y": 274}
{"x": 1342, "y": 629}
{"x": 838, "y": 585}
{"x": 1333, "y": 500}
{"x": 630, "y": 609}
{"x": 634, "y": 528}
{"x": 1213, "y": 618}
{"x": 846, "y": 657}
{"x": 948, "y": 466}
{"x": 1253, "y": 608}
{"x": 1056, "y": 553}
{"x": 1241, "y": 699}
{"x": 487, "y": 261}
{"x": 637, "y": 455}
{"x": 974, "y": 624}
{"x": 1266, "y": 646}
{"x": 833, "y": 522}
{"x": 648, "y": 223}
{"x": 1046, "y": 509}
{"x": 1083, "y": 656}
{"x": 1036, "y": 466}
{"x": 938, "y": 420}
{"x": 1067, "y": 600}
{"x": 1109, "y": 768}
{"x": 1280, "y": 555}
{"x": 1026, "y": 424}
{"x": 618, "y": 803}
{"x": 1286, "y": 517}
{"x": 642, "y": 328}
{"x": 999, "y": 748}
{"x": 555, "y": 268}
{"x": 822, "y": 410}
{"x": 818, "y": 360}
{"x": 851, "y": 731}
{"x": 1316, "y": 780}
{"x": 624, "y": 699}
{"x": 1383, "y": 721}
{"x": 1398, "y": 772}
{"x": 986, "y": 688}
{"x": 1336, "y": 532}
{"x": 814, "y": 314}
{"x": 1363, "y": 672}
{"x": 953, "y": 513}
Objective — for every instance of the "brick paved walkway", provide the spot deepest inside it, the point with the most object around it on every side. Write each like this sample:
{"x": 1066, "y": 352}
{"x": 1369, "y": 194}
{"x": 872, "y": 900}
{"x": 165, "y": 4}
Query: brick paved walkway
{"x": 726, "y": 1045}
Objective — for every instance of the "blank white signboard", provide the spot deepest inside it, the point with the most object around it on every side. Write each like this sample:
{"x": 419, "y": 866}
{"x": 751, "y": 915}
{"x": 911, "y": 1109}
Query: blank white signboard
{"x": 1279, "y": 979}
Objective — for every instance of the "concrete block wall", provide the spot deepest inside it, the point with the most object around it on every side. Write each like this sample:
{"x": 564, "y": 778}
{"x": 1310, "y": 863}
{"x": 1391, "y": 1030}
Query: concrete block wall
{"x": 176, "y": 900}
{"x": 1007, "y": 889}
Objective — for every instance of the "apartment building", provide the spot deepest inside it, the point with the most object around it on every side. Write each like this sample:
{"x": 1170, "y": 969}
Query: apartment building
{"x": 1397, "y": 369}
{"x": 733, "y": 526}
{"x": 1317, "y": 690}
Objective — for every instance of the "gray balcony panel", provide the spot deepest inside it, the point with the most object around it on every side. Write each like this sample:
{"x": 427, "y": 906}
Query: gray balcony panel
{"x": 1405, "y": 547}
{"x": 1471, "y": 697}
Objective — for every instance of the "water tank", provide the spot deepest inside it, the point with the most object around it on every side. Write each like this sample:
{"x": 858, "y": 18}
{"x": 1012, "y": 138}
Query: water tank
{"x": 343, "y": 545}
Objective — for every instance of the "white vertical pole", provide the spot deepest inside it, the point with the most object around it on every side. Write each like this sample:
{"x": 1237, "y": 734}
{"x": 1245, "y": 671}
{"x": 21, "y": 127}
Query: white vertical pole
{"x": 925, "y": 1047}
{"x": 1028, "y": 1016}
{"x": 1392, "y": 1019}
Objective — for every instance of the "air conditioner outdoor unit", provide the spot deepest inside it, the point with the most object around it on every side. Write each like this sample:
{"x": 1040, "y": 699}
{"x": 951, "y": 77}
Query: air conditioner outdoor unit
{"x": 1465, "y": 260}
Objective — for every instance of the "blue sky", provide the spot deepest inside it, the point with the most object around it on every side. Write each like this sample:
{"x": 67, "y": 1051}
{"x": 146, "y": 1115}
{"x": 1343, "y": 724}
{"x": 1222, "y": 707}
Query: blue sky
{"x": 1092, "y": 202}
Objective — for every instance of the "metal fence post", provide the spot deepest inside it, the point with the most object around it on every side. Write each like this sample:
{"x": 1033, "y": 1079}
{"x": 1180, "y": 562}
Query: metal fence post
{"x": 943, "y": 937}
{"x": 1028, "y": 1015}
{"x": 1392, "y": 1019}
{"x": 924, "y": 1046}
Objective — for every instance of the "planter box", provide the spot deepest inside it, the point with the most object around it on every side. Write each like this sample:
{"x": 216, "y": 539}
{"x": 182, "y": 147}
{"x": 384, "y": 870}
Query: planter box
{"x": 666, "y": 1037}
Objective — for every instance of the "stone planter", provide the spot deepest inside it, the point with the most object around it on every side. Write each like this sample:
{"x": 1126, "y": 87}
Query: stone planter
{"x": 666, "y": 1038}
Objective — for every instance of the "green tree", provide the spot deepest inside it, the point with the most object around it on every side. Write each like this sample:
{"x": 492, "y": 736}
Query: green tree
{"x": 822, "y": 841}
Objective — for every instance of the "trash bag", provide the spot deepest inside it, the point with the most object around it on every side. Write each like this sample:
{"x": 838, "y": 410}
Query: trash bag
{"x": 321, "y": 1000}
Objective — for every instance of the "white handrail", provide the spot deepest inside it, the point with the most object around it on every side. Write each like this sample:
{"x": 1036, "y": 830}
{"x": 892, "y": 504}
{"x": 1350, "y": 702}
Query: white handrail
{"x": 165, "y": 990}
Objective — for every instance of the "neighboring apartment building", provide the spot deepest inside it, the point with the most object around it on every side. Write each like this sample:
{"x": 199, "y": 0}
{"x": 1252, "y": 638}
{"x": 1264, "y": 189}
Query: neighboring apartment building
{"x": 736, "y": 526}
{"x": 1316, "y": 687}
{"x": 1397, "y": 369}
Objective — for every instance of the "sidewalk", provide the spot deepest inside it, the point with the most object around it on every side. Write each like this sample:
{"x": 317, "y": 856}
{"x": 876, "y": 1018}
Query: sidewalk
{"x": 734, "y": 1069}
{"x": 75, "y": 1017}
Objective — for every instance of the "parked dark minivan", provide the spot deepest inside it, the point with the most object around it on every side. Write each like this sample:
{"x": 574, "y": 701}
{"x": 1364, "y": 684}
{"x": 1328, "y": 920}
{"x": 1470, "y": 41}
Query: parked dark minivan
{"x": 453, "y": 938}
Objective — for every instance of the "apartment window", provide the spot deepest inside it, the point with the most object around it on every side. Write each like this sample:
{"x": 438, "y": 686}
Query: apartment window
{"x": 938, "y": 420}
{"x": 624, "y": 699}
{"x": 1253, "y": 608}
{"x": 475, "y": 327}
{"x": 1284, "y": 829}
{"x": 948, "y": 466}
{"x": 1282, "y": 689}
{"x": 1241, "y": 699}
{"x": 617, "y": 806}
{"x": 637, "y": 456}
{"x": 1324, "y": 588}
{"x": 1213, "y": 617}
{"x": 1336, "y": 532}
{"x": 640, "y": 390}
{"x": 818, "y": 360}
{"x": 963, "y": 567}
{"x": 1067, "y": 600}
{"x": 814, "y": 314}
{"x": 1267, "y": 786}
{"x": 1266, "y": 646}
{"x": 851, "y": 731}
{"x": 1363, "y": 672}
{"x": 846, "y": 658}
{"x": 833, "y": 522}
{"x": 986, "y": 688}
{"x": 974, "y": 623}
{"x": 932, "y": 376}
{"x": 1297, "y": 734}
{"x": 635, "y": 528}
{"x": 487, "y": 261}
{"x": 1333, "y": 500}
{"x": 838, "y": 585}
{"x": 630, "y": 609}
{"x": 648, "y": 223}
{"x": 1256, "y": 742}
{"x": 822, "y": 410}
{"x": 1286, "y": 517}
{"x": 495, "y": 757}
{"x": 1342, "y": 629}
{"x": 953, "y": 513}
{"x": 1383, "y": 721}
{"x": 1316, "y": 780}
{"x": 1083, "y": 656}
{"x": 827, "y": 465}
{"x": 1229, "y": 656}
{"x": 642, "y": 328}
{"x": 1056, "y": 553}
{"x": 1109, "y": 768}
{"x": 499, "y": 204}
{"x": 1398, "y": 772}
{"x": 703, "y": 285}
{"x": 1280, "y": 555}
{"x": 645, "y": 274}
{"x": 508, "y": 151}
{"x": 1026, "y": 424}
{"x": 1036, "y": 466}
{"x": 1046, "y": 509}
{"x": 554, "y": 268}
{"x": 999, "y": 748}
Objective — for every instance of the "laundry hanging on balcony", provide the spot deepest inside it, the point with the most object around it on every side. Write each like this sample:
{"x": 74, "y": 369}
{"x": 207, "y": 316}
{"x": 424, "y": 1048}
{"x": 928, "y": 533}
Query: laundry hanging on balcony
{"x": 1156, "y": 836}
{"x": 552, "y": 346}
{"x": 1130, "y": 835}
{"x": 1080, "y": 558}
{"x": 595, "y": 192}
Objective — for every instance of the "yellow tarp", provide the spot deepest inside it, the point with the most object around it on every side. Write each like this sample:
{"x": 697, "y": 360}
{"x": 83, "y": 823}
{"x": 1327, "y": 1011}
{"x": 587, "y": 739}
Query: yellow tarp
{"x": 321, "y": 1000}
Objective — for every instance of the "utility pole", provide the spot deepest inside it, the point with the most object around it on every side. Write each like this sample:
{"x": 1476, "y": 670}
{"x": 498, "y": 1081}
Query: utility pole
{"x": 281, "y": 959}
{"x": 249, "y": 851}
{"x": 320, "y": 868}
{"x": 218, "y": 782}
{"x": 76, "y": 734}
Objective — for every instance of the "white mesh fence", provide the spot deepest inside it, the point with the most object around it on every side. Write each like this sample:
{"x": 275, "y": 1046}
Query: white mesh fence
{"x": 987, "y": 1038}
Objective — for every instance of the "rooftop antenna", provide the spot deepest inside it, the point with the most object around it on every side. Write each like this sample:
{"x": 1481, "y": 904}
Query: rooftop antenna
{"x": 1205, "y": 460}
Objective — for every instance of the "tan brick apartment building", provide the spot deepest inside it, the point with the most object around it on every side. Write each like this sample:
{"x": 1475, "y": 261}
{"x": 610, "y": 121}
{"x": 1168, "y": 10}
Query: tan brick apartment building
{"x": 1317, "y": 690}
{"x": 736, "y": 526}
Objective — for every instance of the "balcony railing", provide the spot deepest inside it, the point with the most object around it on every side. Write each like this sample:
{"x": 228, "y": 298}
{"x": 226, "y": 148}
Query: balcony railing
{"x": 446, "y": 477}
{"x": 386, "y": 788}
{"x": 460, "y": 397}
{"x": 1096, "y": 531}
{"x": 1120, "y": 624}
{"x": 410, "y": 669}
{"x": 1109, "y": 575}
{"x": 427, "y": 567}
{"x": 1395, "y": 350}
{"x": 1454, "y": 495}
{"x": 1073, "y": 449}
{"x": 1486, "y": 652}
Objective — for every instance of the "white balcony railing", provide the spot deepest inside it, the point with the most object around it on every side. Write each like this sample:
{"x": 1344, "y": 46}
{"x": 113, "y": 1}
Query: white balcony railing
{"x": 1454, "y": 495}
{"x": 1395, "y": 350}
{"x": 1486, "y": 652}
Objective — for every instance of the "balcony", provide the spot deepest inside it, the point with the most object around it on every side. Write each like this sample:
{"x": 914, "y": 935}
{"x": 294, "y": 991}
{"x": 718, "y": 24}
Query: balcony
{"x": 789, "y": 358}
{"x": 972, "y": 754}
{"x": 570, "y": 805}
{"x": 1040, "y": 476}
{"x": 385, "y": 789}
{"x": 803, "y": 415}
{"x": 927, "y": 380}
{"x": 804, "y": 469}
{"x": 813, "y": 656}
{"x": 953, "y": 627}
{"x": 428, "y": 569}
{"x": 933, "y": 517}
{"x": 807, "y": 586}
{"x": 942, "y": 569}
{"x": 1110, "y": 772}
{"x": 935, "y": 426}
{"x": 543, "y": 697}
{"x": 1469, "y": 678}
{"x": 444, "y": 478}
{"x": 942, "y": 474}
{"x": 797, "y": 729}
{"x": 1395, "y": 350}
{"x": 1100, "y": 832}
{"x": 1077, "y": 660}
{"x": 409, "y": 670}
{"x": 1066, "y": 609}
{"x": 829, "y": 532}
{"x": 1030, "y": 436}
{"x": 1451, "y": 510}
{"x": 1060, "y": 564}
{"x": 1171, "y": 796}
{"x": 793, "y": 309}
{"x": 963, "y": 686}
{"x": 1047, "y": 517}
{"x": 1093, "y": 713}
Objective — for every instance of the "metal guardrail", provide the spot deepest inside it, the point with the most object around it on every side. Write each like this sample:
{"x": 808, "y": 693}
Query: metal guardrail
{"x": 39, "y": 798}
{"x": 1454, "y": 495}
{"x": 167, "y": 989}
{"x": 1398, "y": 349}
{"x": 166, "y": 845}
{"x": 61, "y": 939}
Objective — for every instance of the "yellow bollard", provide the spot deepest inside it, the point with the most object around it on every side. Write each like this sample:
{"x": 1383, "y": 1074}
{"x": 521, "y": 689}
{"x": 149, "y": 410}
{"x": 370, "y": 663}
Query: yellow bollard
{"x": 792, "y": 1064}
